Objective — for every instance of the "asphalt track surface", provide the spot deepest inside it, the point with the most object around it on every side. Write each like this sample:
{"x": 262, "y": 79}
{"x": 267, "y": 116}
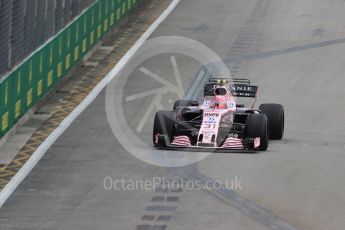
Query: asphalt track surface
{"x": 294, "y": 50}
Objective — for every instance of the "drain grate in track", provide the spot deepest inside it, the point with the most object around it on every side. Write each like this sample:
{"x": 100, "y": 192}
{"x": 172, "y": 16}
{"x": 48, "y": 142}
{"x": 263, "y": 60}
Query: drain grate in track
{"x": 159, "y": 212}
{"x": 247, "y": 36}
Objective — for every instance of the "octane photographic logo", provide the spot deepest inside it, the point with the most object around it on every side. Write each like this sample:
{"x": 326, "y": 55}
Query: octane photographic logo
{"x": 130, "y": 113}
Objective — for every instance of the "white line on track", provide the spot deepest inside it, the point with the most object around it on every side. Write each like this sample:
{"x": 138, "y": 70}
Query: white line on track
{"x": 42, "y": 149}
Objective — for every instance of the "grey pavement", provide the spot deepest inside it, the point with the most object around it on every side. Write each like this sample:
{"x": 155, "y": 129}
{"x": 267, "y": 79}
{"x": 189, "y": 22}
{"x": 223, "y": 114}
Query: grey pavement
{"x": 298, "y": 181}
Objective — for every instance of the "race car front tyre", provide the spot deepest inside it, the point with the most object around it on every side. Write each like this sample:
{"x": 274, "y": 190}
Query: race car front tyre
{"x": 163, "y": 125}
{"x": 256, "y": 126}
{"x": 275, "y": 115}
{"x": 184, "y": 103}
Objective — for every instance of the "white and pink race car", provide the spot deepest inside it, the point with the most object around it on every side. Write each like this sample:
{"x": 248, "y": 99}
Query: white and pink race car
{"x": 219, "y": 123}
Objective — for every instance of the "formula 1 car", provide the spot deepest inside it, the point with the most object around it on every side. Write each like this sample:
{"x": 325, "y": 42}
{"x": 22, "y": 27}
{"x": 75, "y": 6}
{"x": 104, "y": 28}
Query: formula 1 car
{"x": 219, "y": 123}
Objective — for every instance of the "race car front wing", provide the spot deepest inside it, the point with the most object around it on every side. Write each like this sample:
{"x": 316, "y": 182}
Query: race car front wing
{"x": 229, "y": 145}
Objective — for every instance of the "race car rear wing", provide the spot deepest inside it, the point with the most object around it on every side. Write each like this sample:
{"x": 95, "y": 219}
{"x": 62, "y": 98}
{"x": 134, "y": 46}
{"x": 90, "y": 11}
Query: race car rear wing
{"x": 238, "y": 87}
{"x": 242, "y": 90}
{"x": 230, "y": 80}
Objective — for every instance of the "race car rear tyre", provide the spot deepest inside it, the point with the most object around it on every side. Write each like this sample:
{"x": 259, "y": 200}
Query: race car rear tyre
{"x": 256, "y": 126}
{"x": 163, "y": 125}
{"x": 275, "y": 115}
{"x": 184, "y": 103}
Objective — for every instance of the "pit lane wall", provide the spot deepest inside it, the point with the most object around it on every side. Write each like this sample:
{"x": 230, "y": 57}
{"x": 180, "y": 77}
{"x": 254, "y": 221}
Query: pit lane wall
{"x": 31, "y": 80}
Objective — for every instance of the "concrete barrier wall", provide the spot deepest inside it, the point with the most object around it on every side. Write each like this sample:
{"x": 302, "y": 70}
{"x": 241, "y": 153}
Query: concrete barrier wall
{"x": 30, "y": 81}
